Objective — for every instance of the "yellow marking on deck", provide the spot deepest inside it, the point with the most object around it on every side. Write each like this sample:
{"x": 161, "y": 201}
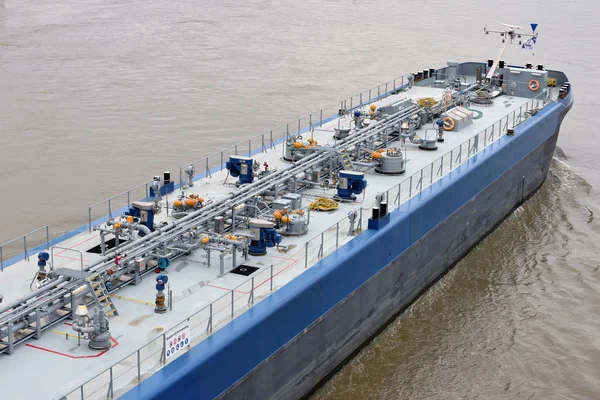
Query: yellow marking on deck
{"x": 63, "y": 333}
{"x": 134, "y": 300}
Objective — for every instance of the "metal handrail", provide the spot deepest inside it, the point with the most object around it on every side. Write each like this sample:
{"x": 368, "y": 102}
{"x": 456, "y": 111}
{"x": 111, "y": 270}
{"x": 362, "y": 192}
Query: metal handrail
{"x": 205, "y": 161}
{"x": 389, "y": 86}
{"x": 416, "y": 184}
{"x": 24, "y": 239}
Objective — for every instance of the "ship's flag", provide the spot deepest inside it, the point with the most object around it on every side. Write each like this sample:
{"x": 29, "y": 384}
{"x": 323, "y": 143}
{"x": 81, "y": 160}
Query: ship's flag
{"x": 528, "y": 44}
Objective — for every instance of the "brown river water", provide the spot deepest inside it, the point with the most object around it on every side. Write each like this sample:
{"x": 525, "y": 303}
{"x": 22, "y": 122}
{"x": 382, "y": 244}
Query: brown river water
{"x": 99, "y": 96}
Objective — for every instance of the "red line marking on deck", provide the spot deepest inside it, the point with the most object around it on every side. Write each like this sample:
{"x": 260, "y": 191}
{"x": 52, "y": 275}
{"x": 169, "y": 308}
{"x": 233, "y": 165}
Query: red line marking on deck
{"x": 262, "y": 283}
{"x": 115, "y": 344}
{"x": 221, "y": 287}
{"x": 282, "y": 270}
{"x": 70, "y": 258}
{"x": 77, "y": 244}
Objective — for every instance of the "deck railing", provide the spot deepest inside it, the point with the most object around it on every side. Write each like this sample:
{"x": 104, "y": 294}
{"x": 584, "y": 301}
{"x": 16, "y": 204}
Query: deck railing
{"x": 206, "y": 166}
{"x": 107, "y": 208}
{"x": 145, "y": 361}
{"x": 26, "y": 243}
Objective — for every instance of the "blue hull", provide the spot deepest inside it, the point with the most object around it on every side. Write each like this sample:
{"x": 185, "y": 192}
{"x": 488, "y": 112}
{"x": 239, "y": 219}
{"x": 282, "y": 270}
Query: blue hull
{"x": 284, "y": 346}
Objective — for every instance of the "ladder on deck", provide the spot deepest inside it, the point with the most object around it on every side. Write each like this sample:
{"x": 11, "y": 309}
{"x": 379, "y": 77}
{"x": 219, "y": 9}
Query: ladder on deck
{"x": 346, "y": 161}
{"x": 100, "y": 296}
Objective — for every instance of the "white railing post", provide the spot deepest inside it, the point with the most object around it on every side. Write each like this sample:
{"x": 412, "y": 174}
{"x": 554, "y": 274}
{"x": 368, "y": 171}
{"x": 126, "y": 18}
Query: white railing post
{"x": 164, "y": 348}
{"x": 431, "y": 175}
{"x": 139, "y": 366}
{"x": 306, "y": 255}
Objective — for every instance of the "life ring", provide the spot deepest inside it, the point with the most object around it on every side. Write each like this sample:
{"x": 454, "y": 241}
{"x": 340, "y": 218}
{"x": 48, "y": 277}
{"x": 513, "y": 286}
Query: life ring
{"x": 534, "y": 85}
{"x": 449, "y": 121}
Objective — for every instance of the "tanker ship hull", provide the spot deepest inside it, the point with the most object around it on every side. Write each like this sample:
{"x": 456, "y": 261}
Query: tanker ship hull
{"x": 287, "y": 345}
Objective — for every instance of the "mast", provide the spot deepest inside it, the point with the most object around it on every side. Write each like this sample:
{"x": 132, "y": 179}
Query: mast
{"x": 508, "y": 36}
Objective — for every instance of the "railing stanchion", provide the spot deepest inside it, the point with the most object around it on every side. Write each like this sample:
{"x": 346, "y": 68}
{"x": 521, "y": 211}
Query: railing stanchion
{"x": 320, "y": 253}
{"x": 360, "y": 220}
{"x": 164, "y": 349}
{"x": 431, "y": 175}
{"x": 139, "y": 366}
{"x": 306, "y": 255}
{"x": 110, "y": 386}
{"x": 485, "y": 138}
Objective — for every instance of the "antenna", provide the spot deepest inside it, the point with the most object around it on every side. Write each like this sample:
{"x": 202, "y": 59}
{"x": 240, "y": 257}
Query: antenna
{"x": 511, "y": 26}
{"x": 508, "y": 35}
{"x": 511, "y": 33}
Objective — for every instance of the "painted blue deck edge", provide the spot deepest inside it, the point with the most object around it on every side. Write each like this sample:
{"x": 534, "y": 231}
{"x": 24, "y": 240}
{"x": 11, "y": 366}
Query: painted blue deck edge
{"x": 20, "y": 257}
{"x": 215, "y": 364}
